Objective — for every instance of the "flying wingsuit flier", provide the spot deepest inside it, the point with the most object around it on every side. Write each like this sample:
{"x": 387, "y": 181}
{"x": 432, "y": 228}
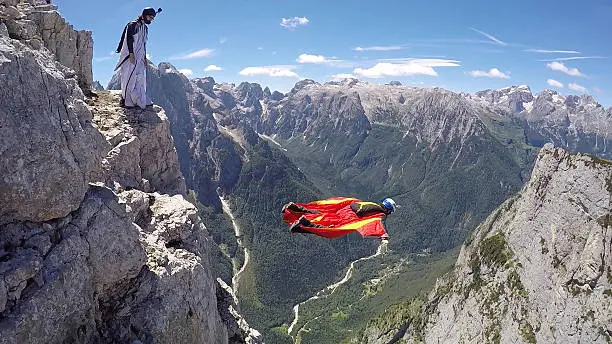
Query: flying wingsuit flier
{"x": 338, "y": 216}
{"x": 133, "y": 60}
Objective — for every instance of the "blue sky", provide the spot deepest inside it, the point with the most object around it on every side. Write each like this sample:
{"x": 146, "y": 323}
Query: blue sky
{"x": 459, "y": 45}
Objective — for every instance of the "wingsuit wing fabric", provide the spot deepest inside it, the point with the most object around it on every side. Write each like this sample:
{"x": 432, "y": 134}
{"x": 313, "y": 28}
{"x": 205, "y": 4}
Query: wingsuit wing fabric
{"x": 334, "y": 217}
{"x": 134, "y": 75}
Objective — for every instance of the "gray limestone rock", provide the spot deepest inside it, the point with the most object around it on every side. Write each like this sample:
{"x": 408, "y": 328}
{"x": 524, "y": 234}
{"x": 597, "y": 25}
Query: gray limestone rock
{"x": 141, "y": 146}
{"x": 538, "y": 269}
{"x": 49, "y": 148}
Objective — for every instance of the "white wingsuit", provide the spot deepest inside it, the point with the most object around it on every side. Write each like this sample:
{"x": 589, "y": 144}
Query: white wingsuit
{"x": 134, "y": 75}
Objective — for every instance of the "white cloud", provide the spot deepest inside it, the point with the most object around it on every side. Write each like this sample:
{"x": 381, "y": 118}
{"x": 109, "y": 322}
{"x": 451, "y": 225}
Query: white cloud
{"x": 489, "y": 37}
{"x": 272, "y": 71}
{"x": 546, "y": 51}
{"x": 342, "y": 76}
{"x": 378, "y": 48}
{"x": 186, "y": 71}
{"x": 598, "y": 90}
{"x": 559, "y": 66}
{"x": 292, "y": 23}
{"x": 407, "y": 68}
{"x": 260, "y": 48}
{"x": 222, "y": 40}
{"x": 554, "y": 83}
{"x": 210, "y": 68}
{"x": 577, "y": 88}
{"x": 193, "y": 55}
{"x": 320, "y": 59}
{"x": 492, "y": 73}
{"x": 316, "y": 59}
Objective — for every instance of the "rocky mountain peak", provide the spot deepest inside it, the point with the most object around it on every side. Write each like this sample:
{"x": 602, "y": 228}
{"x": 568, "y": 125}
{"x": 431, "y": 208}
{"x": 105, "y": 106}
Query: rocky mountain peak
{"x": 303, "y": 84}
{"x": 513, "y": 98}
{"x": 206, "y": 84}
{"x": 249, "y": 93}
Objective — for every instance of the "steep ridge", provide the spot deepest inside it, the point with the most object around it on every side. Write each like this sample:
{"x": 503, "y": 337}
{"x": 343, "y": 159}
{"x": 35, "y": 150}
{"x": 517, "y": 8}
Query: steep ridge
{"x": 97, "y": 242}
{"x": 538, "y": 269}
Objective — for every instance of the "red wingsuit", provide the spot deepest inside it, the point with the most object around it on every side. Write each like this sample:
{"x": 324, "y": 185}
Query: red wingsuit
{"x": 338, "y": 216}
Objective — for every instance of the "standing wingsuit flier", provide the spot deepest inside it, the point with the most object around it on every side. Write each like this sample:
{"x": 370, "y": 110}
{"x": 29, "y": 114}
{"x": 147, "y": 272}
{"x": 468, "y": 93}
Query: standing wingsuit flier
{"x": 133, "y": 60}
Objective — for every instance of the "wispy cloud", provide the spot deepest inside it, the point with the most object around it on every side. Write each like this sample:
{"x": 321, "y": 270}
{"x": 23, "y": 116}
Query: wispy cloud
{"x": 110, "y": 56}
{"x": 260, "y": 48}
{"x": 546, "y": 51}
{"x": 379, "y": 48}
{"x": 598, "y": 90}
{"x": 222, "y": 40}
{"x": 574, "y": 58}
{"x": 212, "y": 68}
{"x": 558, "y": 66}
{"x": 577, "y": 88}
{"x": 272, "y": 71}
{"x": 193, "y": 55}
{"x": 292, "y": 23}
{"x": 102, "y": 59}
{"x": 492, "y": 73}
{"x": 408, "y": 68}
{"x": 500, "y": 42}
{"x": 554, "y": 83}
{"x": 342, "y": 76}
{"x": 186, "y": 71}
{"x": 444, "y": 42}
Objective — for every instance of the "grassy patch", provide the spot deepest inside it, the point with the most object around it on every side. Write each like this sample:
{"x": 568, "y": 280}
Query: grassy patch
{"x": 527, "y": 333}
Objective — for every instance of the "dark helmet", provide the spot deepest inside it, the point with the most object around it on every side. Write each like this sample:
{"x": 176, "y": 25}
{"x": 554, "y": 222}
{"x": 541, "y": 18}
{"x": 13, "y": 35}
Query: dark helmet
{"x": 149, "y": 11}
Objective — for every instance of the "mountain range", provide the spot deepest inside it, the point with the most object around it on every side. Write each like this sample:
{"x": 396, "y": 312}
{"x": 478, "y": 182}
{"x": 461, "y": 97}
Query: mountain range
{"x": 448, "y": 158}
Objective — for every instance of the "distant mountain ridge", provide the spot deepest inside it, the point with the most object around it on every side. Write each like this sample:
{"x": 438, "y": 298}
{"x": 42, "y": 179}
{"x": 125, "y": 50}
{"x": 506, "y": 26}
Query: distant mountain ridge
{"x": 577, "y": 123}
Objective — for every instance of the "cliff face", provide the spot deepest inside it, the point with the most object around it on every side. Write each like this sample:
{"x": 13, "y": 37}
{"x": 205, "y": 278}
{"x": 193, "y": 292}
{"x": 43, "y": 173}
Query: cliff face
{"x": 539, "y": 269}
{"x": 49, "y": 146}
{"x": 37, "y": 24}
{"x": 97, "y": 242}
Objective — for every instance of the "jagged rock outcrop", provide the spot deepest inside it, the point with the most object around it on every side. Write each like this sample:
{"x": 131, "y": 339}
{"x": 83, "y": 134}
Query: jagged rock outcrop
{"x": 239, "y": 330}
{"x": 539, "y": 269}
{"x": 97, "y": 86}
{"x": 119, "y": 268}
{"x": 85, "y": 256}
{"x": 55, "y": 273}
{"x": 37, "y": 23}
{"x": 142, "y": 153}
{"x": 173, "y": 298}
{"x": 48, "y": 146}
{"x": 205, "y": 144}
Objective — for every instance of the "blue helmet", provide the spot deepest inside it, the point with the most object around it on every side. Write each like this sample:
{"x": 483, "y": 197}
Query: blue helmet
{"x": 389, "y": 204}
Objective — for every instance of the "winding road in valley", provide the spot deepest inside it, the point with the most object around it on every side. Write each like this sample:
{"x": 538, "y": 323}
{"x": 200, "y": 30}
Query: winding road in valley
{"x": 329, "y": 290}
